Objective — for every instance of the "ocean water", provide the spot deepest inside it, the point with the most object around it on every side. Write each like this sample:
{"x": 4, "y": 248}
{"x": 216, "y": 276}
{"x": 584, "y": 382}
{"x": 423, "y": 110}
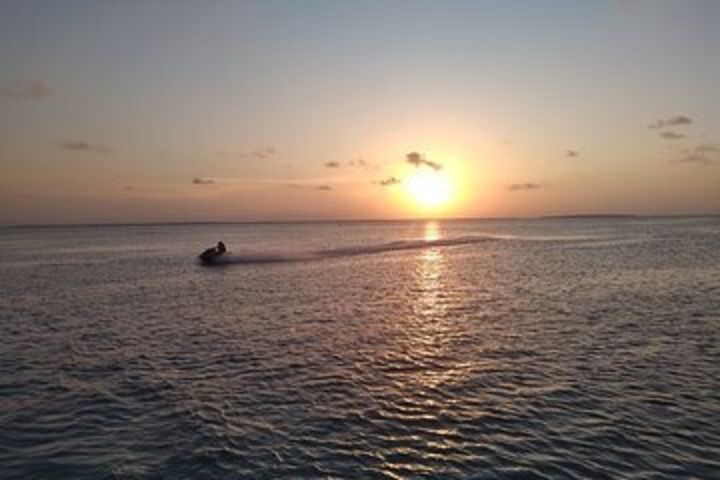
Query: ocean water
{"x": 517, "y": 349}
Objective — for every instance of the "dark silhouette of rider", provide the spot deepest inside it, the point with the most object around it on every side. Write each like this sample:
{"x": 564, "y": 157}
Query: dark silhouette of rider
{"x": 220, "y": 248}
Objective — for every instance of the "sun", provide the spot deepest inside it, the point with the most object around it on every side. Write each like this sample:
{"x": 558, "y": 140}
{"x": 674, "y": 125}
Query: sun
{"x": 429, "y": 189}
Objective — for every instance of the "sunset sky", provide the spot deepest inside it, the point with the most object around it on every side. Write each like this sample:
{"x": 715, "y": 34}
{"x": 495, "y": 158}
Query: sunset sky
{"x": 124, "y": 111}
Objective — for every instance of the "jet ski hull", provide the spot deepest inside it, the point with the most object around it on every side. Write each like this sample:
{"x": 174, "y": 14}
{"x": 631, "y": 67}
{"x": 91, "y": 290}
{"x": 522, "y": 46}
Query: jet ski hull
{"x": 209, "y": 256}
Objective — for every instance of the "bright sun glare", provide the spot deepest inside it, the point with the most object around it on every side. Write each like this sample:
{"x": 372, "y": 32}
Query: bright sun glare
{"x": 429, "y": 189}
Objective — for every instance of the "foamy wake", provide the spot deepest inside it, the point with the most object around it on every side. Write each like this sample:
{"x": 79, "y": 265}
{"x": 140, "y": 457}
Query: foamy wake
{"x": 299, "y": 256}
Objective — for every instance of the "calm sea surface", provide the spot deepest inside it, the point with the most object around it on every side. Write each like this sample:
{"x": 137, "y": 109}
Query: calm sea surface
{"x": 479, "y": 349}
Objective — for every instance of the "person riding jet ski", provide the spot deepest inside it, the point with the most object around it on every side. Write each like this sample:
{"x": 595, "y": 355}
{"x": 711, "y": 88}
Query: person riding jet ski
{"x": 212, "y": 253}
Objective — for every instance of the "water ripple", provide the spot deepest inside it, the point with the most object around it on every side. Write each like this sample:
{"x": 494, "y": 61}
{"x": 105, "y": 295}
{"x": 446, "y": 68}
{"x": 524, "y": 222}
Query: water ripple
{"x": 592, "y": 356}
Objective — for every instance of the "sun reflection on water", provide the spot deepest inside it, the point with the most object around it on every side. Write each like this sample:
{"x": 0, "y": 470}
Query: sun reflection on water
{"x": 432, "y": 231}
{"x": 430, "y": 270}
{"x": 425, "y": 336}
{"x": 431, "y": 327}
{"x": 426, "y": 353}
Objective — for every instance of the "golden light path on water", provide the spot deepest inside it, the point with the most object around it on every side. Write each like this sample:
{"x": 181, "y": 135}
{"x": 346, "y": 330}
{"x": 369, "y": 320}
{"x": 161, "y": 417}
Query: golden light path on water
{"x": 424, "y": 345}
{"x": 432, "y": 325}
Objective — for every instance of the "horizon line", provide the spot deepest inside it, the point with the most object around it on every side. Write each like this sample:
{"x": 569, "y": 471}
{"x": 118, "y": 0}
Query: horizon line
{"x": 574, "y": 216}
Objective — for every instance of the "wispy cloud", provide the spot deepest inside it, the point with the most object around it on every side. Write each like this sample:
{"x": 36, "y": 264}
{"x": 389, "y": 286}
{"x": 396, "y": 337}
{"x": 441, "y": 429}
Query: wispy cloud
{"x": 29, "y": 89}
{"x": 417, "y": 160}
{"x": 389, "y": 181}
{"x": 358, "y": 162}
{"x": 675, "y": 120}
{"x": 203, "y": 181}
{"x": 263, "y": 153}
{"x": 82, "y": 146}
{"x": 258, "y": 154}
{"x": 670, "y": 135}
{"x": 362, "y": 163}
{"x": 309, "y": 186}
{"x": 706, "y": 154}
{"x": 332, "y": 164}
{"x": 523, "y": 187}
{"x": 570, "y": 153}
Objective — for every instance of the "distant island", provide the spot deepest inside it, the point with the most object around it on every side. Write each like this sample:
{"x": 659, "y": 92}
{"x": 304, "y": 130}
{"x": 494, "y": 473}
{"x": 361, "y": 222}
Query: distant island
{"x": 591, "y": 216}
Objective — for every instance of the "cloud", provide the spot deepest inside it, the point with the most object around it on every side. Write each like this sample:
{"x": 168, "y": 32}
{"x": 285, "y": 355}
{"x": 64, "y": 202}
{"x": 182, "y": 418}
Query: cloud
{"x": 259, "y": 154}
{"x": 362, "y": 163}
{"x": 570, "y": 153}
{"x": 30, "y": 89}
{"x": 389, "y": 181}
{"x": 309, "y": 186}
{"x": 332, "y": 164}
{"x": 82, "y": 146}
{"x": 417, "y": 160}
{"x": 414, "y": 158}
{"x": 263, "y": 153}
{"x": 203, "y": 181}
{"x": 523, "y": 187}
{"x": 358, "y": 162}
{"x": 672, "y": 135}
{"x": 671, "y": 121}
{"x": 433, "y": 165}
{"x": 706, "y": 154}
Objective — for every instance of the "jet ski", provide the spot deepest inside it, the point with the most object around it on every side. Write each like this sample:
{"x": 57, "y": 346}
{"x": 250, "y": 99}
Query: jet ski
{"x": 209, "y": 256}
